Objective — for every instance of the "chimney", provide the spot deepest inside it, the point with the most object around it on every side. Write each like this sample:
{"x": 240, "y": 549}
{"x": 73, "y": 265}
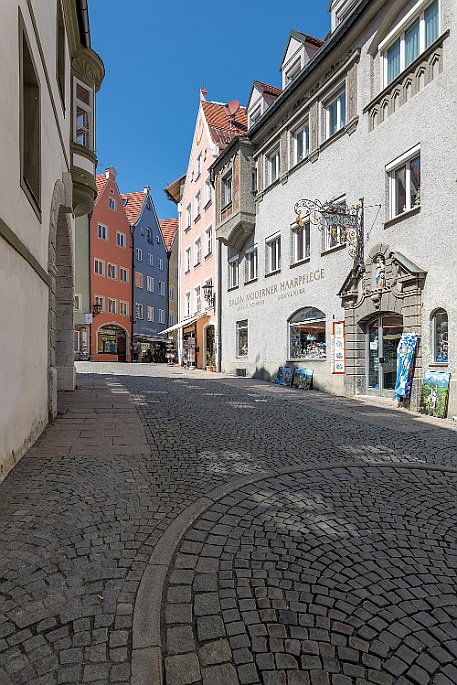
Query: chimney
{"x": 203, "y": 93}
{"x": 110, "y": 173}
{"x": 146, "y": 189}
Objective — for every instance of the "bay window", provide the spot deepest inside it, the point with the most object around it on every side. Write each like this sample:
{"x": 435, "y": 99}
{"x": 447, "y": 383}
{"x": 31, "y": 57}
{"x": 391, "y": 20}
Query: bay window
{"x": 84, "y": 115}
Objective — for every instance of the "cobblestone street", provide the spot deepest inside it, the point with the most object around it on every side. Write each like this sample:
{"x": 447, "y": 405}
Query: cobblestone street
{"x": 177, "y": 527}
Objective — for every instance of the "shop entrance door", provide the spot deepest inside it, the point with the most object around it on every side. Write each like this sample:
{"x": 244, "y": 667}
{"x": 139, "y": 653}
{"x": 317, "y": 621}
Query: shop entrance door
{"x": 382, "y": 338}
{"x": 121, "y": 347}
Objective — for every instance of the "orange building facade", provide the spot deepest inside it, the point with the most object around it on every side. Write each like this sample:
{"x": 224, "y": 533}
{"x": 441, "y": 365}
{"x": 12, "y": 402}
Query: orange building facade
{"x": 110, "y": 274}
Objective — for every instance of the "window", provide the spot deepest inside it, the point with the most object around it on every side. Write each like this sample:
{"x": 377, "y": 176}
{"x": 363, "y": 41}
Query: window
{"x": 100, "y": 301}
{"x": 111, "y": 271}
{"x": 292, "y": 72}
{"x": 123, "y": 274}
{"x": 198, "y": 298}
{"x": 30, "y": 126}
{"x": 208, "y": 241}
{"x": 198, "y": 166}
{"x": 61, "y": 53}
{"x": 160, "y": 264}
{"x": 171, "y": 319}
{"x": 149, "y": 235}
{"x": 187, "y": 304}
{"x": 273, "y": 254}
{"x": 138, "y": 279}
{"x": 255, "y": 116}
{"x": 251, "y": 264}
{"x": 150, "y": 284}
{"x": 241, "y": 338}
{"x": 272, "y": 167}
{"x": 233, "y": 272}
{"x": 112, "y": 203}
{"x": 99, "y": 267}
{"x": 76, "y": 341}
{"x": 255, "y": 179}
{"x": 120, "y": 239}
{"x": 102, "y": 232}
{"x": 177, "y": 271}
{"x": 307, "y": 334}
{"x": 226, "y": 190}
{"x": 123, "y": 308}
{"x": 300, "y": 144}
{"x": 440, "y": 336}
{"x": 83, "y": 99}
{"x": 139, "y": 254}
{"x": 405, "y": 183}
{"x": 150, "y": 259}
{"x": 112, "y": 306}
{"x": 77, "y": 303}
{"x": 150, "y": 313}
{"x": 171, "y": 293}
{"x": 188, "y": 216}
{"x": 198, "y": 251}
{"x": 412, "y": 38}
{"x": 301, "y": 240}
{"x": 139, "y": 314}
{"x": 188, "y": 259}
{"x": 208, "y": 191}
{"x": 198, "y": 205}
{"x": 335, "y": 114}
{"x": 157, "y": 239}
{"x": 161, "y": 287}
{"x": 161, "y": 315}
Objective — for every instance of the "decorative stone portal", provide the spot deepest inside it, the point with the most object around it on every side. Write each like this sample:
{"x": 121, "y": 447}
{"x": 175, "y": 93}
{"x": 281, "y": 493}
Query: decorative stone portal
{"x": 61, "y": 371}
{"x": 389, "y": 285}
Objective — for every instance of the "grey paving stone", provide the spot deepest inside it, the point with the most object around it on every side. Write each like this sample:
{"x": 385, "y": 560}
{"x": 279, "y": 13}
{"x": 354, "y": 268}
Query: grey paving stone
{"x": 182, "y": 669}
{"x": 215, "y": 652}
{"x": 225, "y": 673}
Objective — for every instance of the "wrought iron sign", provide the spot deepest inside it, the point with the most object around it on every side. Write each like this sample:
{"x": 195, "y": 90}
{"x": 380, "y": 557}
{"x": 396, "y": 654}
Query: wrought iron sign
{"x": 342, "y": 221}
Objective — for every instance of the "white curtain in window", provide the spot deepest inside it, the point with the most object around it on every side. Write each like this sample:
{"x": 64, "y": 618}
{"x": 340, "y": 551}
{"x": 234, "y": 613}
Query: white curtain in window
{"x": 412, "y": 47}
{"x": 393, "y": 61}
{"x": 431, "y": 24}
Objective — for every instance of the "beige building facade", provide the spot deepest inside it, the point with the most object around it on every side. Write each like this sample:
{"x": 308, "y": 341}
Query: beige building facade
{"x": 364, "y": 123}
{"x": 51, "y": 75}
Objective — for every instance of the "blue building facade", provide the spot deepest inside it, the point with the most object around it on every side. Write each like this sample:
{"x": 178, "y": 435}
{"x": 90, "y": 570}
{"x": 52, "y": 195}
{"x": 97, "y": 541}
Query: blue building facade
{"x": 150, "y": 276}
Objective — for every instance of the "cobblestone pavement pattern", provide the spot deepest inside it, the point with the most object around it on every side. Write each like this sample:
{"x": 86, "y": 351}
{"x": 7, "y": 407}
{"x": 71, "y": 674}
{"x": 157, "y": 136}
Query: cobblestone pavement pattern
{"x": 339, "y": 569}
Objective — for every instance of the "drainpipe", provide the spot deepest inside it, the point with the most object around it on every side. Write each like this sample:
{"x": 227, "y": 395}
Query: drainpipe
{"x": 219, "y": 305}
{"x": 89, "y": 219}
{"x": 132, "y": 281}
{"x": 83, "y": 21}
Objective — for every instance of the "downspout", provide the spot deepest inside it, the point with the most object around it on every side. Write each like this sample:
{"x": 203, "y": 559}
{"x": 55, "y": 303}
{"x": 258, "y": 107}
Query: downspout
{"x": 167, "y": 315}
{"x": 89, "y": 218}
{"x": 83, "y": 21}
{"x": 132, "y": 318}
{"x": 219, "y": 305}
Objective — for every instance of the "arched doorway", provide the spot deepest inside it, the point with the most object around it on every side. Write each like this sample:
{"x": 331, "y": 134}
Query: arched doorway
{"x": 383, "y": 334}
{"x": 61, "y": 369}
{"x": 112, "y": 340}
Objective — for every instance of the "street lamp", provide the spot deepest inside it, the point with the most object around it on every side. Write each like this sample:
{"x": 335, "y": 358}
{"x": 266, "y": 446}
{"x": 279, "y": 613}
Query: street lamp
{"x": 208, "y": 294}
{"x": 97, "y": 308}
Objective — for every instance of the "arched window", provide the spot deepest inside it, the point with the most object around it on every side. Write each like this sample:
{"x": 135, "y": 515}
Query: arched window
{"x": 440, "y": 340}
{"x": 307, "y": 334}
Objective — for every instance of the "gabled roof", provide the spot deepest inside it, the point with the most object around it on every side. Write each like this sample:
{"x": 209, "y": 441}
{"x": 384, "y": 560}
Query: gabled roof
{"x": 169, "y": 228}
{"x": 265, "y": 88}
{"x": 302, "y": 38}
{"x": 133, "y": 206}
{"x": 222, "y": 126}
{"x": 100, "y": 183}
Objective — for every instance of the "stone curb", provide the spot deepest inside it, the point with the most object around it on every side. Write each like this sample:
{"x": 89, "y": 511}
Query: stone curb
{"x": 147, "y": 639}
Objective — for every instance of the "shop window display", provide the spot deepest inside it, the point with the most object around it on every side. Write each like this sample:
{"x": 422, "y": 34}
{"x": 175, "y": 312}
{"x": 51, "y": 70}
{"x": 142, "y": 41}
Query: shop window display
{"x": 440, "y": 336}
{"x": 241, "y": 338}
{"x": 307, "y": 334}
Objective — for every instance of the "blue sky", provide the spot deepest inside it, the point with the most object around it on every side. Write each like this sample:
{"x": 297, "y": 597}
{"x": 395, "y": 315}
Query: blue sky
{"x": 158, "y": 55}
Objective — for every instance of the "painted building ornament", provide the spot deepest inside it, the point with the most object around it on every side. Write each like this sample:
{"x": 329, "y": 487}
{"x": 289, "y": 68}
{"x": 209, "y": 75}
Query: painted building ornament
{"x": 380, "y": 272}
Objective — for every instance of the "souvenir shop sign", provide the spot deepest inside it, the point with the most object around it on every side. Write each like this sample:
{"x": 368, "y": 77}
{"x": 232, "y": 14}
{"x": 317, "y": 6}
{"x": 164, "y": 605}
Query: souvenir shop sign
{"x": 435, "y": 393}
{"x": 291, "y": 287}
{"x": 338, "y": 348}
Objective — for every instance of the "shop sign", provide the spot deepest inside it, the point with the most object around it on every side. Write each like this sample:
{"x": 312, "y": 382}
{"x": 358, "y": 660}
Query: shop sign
{"x": 88, "y": 318}
{"x": 338, "y": 348}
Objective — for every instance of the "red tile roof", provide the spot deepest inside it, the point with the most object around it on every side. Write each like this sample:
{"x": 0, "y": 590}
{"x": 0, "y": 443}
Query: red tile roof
{"x": 310, "y": 39}
{"x": 270, "y": 90}
{"x": 222, "y": 126}
{"x": 100, "y": 183}
{"x": 133, "y": 206}
{"x": 169, "y": 228}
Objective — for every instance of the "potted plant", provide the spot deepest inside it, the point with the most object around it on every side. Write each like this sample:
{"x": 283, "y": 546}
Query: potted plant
{"x": 210, "y": 362}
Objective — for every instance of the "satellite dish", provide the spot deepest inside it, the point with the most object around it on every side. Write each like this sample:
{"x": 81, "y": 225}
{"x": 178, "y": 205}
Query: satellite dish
{"x": 233, "y": 107}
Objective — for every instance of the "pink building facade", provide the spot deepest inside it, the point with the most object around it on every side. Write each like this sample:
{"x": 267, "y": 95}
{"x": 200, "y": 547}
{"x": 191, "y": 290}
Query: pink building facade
{"x": 216, "y": 126}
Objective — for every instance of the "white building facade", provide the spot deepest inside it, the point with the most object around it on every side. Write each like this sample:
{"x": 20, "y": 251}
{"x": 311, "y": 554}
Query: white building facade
{"x": 47, "y": 177}
{"x": 368, "y": 116}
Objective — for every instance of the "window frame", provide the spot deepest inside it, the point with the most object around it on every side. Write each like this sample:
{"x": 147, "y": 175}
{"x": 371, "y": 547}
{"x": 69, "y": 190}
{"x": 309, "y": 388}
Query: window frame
{"x": 102, "y": 262}
{"x": 112, "y": 300}
{"x": 126, "y": 271}
{"x": 113, "y": 278}
{"x": 112, "y": 204}
{"x": 269, "y": 253}
{"x": 188, "y": 217}
{"x": 125, "y": 307}
{"x": 337, "y": 97}
{"x": 61, "y": 41}
{"x": 105, "y": 231}
{"x": 123, "y": 237}
{"x": 77, "y": 298}
{"x": 274, "y": 153}
{"x": 208, "y": 241}
{"x": 88, "y": 109}
{"x": 306, "y": 322}
{"x": 139, "y": 282}
{"x": 150, "y": 284}
{"x": 139, "y": 311}
{"x": 187, "y": 304}
{"x": 304, "y": 126}
{"x": 234, "y": 272}
{"x": 100, "y": 300}
{"x": 226, "y": 190}
{"x": 30, "y": 136}
{"x": 434, "y": 337}
{"x": 391, "y": 169}
{"x": 150, "y": 313}
{"x": 197, "y": 205}
{"x": 198, "y": 298}
{"x": 242, "y": 326}
{"x": 138, "y": 254}
{"x": 306, "y": 231}
{"x": 197, "y": 251}
{"x": 398, "y": 34}
{"x": 208, "y": 195}
{"x": 251, "y": 256}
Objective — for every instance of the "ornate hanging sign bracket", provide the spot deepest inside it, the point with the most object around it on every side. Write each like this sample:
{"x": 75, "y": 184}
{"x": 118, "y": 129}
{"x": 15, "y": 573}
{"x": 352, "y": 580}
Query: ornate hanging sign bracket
{"x": 342, "y": 221}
